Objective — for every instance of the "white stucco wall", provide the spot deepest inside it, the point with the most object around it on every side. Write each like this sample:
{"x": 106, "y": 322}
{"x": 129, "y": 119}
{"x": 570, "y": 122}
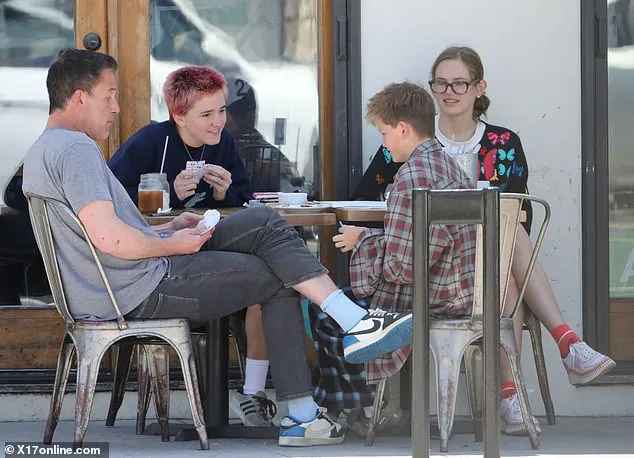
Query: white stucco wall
{"x": 531, "y": 53}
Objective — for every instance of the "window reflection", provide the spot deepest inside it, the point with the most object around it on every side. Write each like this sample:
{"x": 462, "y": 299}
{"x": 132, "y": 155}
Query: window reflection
{"x": 621, "y": 146}
{"x": 31, "y": 34}
{"x": 267, "y": 50}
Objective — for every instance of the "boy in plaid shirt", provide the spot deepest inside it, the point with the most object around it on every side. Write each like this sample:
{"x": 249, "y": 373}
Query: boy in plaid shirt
{"x": 381, "y": 261}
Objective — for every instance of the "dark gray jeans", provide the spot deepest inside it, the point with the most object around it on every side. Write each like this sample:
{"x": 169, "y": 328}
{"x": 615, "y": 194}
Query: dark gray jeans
{"x": 254, "y": 257}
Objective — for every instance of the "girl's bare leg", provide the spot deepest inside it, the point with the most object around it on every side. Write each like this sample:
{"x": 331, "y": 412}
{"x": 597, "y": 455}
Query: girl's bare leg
{"x": 539, "y": 294}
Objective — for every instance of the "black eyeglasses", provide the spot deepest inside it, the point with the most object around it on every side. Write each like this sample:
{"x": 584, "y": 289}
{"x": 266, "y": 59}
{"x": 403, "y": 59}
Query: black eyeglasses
{"x": 457, "y": 87}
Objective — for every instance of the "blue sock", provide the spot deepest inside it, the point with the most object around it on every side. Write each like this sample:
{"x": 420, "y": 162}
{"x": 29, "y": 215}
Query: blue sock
{"x": 302, "y": 409}
{"x": 341, "y": 309}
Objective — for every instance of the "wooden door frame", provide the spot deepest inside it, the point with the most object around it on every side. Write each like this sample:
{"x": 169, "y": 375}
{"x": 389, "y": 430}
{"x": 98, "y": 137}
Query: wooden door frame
{"x": 124, "y": 27}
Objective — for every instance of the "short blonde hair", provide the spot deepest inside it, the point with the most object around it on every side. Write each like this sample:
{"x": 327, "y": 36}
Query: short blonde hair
{"x": 406, "y": 102}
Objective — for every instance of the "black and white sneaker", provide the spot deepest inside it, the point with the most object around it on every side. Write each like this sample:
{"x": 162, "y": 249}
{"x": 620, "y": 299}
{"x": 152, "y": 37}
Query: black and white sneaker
{"x": 252, "y": 409}
{"x": 377, "y": 333}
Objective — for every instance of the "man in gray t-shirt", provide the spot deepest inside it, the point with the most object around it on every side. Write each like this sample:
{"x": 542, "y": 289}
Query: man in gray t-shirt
{"x": 68, "y": 166}
{"x": 254, "y": 257}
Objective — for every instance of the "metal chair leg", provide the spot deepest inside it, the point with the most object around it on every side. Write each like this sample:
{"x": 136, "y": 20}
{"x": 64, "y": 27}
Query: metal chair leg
{"x": 64, "y": 359}
{"x": 447, "y": 378}
{"x": 158, "y": 363}
{"x": 527, "y": 415}
{"x": 120, "y": 377}
{"x": 376, "y": 412}
{"x": 535, "y": 331}
{"x": 143, "y": 398}
{"x": 475, "y": 386}
{"x": 199, "y": 342}
{"x": 88, "y": 360}
{"x": 193, "y": 395}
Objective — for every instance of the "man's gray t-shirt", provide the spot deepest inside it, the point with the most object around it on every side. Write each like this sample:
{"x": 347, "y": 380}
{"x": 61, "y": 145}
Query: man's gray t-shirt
{"x": 68, "y": 166}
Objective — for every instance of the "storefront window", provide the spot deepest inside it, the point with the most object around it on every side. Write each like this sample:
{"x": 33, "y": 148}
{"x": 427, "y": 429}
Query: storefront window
{"x": 621, "y": 147}
{"x": 31, "y": 34}
{"x": 267, "y": 50}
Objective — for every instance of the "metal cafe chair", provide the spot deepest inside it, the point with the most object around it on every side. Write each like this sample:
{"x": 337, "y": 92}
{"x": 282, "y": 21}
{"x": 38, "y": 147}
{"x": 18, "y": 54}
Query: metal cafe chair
{"x": 475, "y": 388}
{"x": 264, "y": 166}
{"x": 153, "y": 374}
{"x": 90, "y": 339}
{"x": 449, "y": 339}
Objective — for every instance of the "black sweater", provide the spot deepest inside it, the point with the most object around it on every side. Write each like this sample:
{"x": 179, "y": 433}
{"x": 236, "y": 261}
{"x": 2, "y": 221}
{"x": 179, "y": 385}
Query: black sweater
{"x": 143, "y": 152}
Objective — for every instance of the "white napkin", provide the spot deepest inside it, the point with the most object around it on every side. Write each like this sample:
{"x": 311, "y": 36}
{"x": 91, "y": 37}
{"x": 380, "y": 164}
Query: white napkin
{"x": 210, "y": 219}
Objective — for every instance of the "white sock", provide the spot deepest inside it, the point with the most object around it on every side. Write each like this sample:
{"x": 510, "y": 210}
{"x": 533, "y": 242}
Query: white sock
{"x": 255, "y": 375}
{"x": 303, "y": 409}
{"x": 341, "y": 309}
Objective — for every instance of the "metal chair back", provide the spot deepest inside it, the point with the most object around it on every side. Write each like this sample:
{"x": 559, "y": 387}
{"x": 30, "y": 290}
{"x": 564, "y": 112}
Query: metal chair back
{"x": 263, "y": 164}
{"x": 510, "y": 212}
{"x": 40, "y": 209}
{"x": 456, "y": 206}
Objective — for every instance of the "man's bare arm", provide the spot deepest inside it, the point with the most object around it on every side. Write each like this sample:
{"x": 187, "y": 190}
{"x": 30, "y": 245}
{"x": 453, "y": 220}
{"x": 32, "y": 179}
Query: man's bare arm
{"x": 111, "y": 235}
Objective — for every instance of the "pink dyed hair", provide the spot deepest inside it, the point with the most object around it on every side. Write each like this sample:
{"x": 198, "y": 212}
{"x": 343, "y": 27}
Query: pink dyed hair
{"x": 184, "y": 87}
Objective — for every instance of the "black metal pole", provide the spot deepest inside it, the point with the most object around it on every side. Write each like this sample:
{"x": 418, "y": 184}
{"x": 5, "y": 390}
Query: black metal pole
{"x": 217, "y": 408}
{"x": 420, "y": 308}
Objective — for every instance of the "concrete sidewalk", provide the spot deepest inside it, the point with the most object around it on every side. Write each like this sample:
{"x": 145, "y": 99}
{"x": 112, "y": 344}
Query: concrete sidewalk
{"x": 571, "y": 437}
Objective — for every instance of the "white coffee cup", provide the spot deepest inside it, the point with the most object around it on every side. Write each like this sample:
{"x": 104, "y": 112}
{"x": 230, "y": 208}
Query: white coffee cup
{"x": 292, "y": 198}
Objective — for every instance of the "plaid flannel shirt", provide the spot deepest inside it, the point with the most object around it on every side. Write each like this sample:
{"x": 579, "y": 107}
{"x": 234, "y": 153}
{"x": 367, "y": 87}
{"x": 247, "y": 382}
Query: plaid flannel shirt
{"x": 381, "y": 263}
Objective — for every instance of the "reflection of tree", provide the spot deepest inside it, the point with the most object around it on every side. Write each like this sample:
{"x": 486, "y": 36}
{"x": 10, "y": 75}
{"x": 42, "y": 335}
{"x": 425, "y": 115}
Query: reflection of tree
{"x": 179, "y": 39}
{"x": 300, "y": 30}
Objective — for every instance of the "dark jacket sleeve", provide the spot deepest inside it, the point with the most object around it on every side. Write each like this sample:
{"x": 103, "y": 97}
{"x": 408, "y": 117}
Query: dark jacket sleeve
{"x": 517, "y": 180}
{"x": 240, "y": 190}
{"x": 13, "y": 195}
{"x": 134, "y": 158}
{"x": 379, "y": 174}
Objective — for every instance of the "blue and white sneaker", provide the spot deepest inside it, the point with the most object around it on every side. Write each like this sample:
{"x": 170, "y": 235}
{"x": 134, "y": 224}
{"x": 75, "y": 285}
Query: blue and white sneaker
{"x": 319, "y": 431}
{"x": 377, "y": 333}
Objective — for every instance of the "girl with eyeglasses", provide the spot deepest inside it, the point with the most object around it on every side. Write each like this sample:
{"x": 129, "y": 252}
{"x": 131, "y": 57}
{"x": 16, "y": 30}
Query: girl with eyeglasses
{"x": 459, "y": 88}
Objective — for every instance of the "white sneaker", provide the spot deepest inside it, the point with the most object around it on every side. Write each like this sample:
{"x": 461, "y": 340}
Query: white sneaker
{"x": 253, "y": 409}
{"x": 511, "y": 419}
{"x": 319, "y": 431}
{"x": 377, "y": 333}
{"x": 584, "y": 364}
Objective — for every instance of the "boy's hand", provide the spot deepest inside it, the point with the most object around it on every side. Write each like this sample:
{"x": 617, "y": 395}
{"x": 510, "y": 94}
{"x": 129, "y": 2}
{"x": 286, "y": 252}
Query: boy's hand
{"x": 347, "y": 237}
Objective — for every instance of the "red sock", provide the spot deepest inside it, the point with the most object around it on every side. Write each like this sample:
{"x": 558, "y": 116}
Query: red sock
{"x": 565, "y": 337}
{"x": 508, "y": 389}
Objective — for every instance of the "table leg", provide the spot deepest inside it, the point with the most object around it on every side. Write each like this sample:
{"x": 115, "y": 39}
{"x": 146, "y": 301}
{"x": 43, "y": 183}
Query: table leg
{"x": 217, "y": 405}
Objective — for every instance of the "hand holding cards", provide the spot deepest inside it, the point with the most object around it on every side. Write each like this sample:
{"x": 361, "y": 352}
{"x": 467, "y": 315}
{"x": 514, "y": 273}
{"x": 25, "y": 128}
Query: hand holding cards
{"x": 209, "y": 221}
{"x": 197, "y": 168}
